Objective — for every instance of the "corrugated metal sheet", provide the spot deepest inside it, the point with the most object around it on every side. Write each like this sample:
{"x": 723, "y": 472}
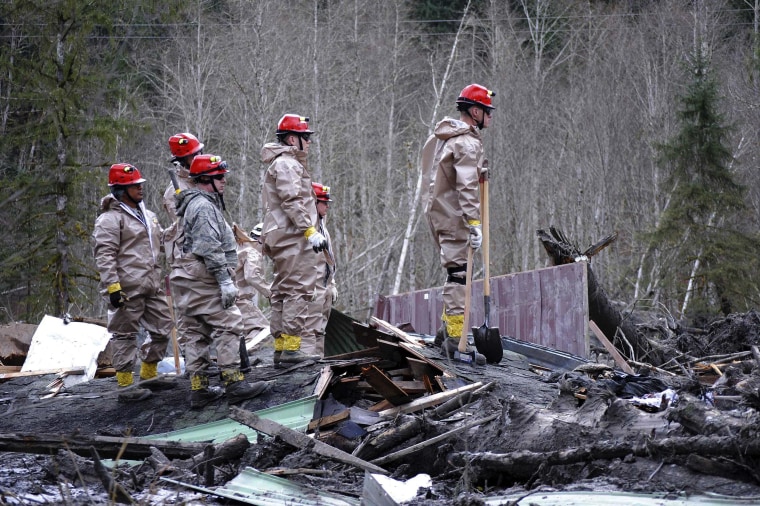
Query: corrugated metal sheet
{"x": 294, "y": 415}
{"x": 339, "y": 334}
{"x": 546, "y": 306}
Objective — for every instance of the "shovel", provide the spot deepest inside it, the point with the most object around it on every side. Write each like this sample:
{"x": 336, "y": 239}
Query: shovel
{"x": 487, "y": 339}
{"x": 461, "y": 354}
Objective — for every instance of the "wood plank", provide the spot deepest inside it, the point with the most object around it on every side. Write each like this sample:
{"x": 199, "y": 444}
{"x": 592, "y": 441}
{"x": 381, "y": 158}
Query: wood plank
{"x": 130, "y": 448}
{"x": 616, "y": 356}
{"x": 367, "y": 352}
{"x": 327, "y": 421}
{"x": 428, "y": 401}
{"x": 73, "y": 372}
{"x": 413, "y": 388}
{"x": 300, "y": 440}
{"x": 414, "y": 354}
{"x": 325, "y": 376}
{"x": 400, "y": 334}
{"x": 385, "y": 386}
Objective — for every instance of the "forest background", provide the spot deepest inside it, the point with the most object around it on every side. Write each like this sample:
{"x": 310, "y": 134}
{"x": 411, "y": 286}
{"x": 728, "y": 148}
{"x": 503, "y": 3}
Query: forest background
{"x": 636, "y": 117}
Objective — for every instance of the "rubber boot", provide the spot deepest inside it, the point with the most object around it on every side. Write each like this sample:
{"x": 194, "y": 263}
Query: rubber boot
{"x": 127, "y": 391}
{"x": 237, "y": 389}
{"x": 201, "y": 393}
{"x": 150, "y": 379}
{"x": 276, "y": 359}
{"x": 296, "y": 357}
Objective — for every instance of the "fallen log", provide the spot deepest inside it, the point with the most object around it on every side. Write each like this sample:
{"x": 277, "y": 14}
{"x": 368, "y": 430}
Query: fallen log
{"x": 408, "y": 427}
{"x": 131, "y": 448}
{"x": 522, "y": 464}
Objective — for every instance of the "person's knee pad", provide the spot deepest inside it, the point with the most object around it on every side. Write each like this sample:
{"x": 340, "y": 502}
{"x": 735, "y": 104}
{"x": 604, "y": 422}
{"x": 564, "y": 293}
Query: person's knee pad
{"x": 455, "y": 274}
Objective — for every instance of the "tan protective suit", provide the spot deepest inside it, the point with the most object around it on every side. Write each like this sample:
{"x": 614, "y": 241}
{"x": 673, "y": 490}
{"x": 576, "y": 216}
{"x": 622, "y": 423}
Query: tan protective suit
{"x": 453, "y": 204}
{"x": 288, "y": 200}
{"x": 170, "y": 238}
{"x": 319, "y": 308}
{"x": 209, "y": 257}
{"x": 250, "y": 281}
{"x": 127, "y": 252}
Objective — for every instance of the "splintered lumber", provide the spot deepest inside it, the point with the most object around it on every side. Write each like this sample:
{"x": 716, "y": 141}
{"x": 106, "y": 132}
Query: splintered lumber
{"x": 300, "y": 440}
{"x": 385, "y": 386}
{"x": 523, "y": 463}
{"x": 428, "y": 401}
{"x": 395, "y": 331}
{"x": 327, "y": 421}
{"x": 616, "y": 356}
{"x": 419, "y": 446}
{"x": 325, "y": 376}
{"x": 131, "y": 448}
{"x": 72, "y": 372}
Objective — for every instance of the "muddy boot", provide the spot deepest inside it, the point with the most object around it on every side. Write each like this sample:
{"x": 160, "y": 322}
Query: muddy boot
{"x": 150, "y": 379}
{"x": 440, "y": 335}
{"x": 276, "y": 359}
{"x": 237, "y": 389}
{"x": 201, "y": 393}
{"x": 133, "y": 394}
{"x": 296, "y": 357}
{"x": 450, "y": 350}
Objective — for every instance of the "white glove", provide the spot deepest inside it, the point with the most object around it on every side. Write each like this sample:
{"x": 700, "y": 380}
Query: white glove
{"x": 476, "y": 236}
{"x": 229, "y": 293}
{"x": 317, "y": 242}
{"x": 334, "y": 293}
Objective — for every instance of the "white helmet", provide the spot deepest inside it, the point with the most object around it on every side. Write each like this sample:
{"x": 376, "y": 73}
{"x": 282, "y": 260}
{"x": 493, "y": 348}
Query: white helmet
{"x": 256, "y": 232}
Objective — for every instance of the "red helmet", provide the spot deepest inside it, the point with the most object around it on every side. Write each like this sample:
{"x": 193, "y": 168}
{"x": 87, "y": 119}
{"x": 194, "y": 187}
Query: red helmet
{"x": 208, "y": 165}
{"x": 124, "y": 174}
{"x": 322, "y": 192}
{"x": 184, "y": 144}
{"x": 476, "y": 94}
{"x": 293, "y": 123}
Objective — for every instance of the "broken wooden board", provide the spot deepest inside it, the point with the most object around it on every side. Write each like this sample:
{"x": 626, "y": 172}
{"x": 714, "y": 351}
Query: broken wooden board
{"x": 300, "y": 440}
{"x": 44, "y": 372}
{"x": 328, "y": 421}
{"x": 385, "y": 386}
{"x": 616, "y": 356}
{"x": 395, "y": 331}
{"x": 428, "y": 401}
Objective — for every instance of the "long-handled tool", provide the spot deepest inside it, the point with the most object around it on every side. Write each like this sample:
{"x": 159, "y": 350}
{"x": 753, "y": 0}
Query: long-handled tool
{"x": 461, "y": 354}
{"x": 487, "y": 339}
{"x": 175, "y": 343}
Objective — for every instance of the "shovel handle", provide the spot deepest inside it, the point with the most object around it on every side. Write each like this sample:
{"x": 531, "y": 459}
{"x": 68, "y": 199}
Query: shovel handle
{"x": 467, "y": 303}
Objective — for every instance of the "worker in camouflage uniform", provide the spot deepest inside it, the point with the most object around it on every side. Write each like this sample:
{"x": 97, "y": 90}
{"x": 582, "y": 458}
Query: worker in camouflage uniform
{"x": 454, "y": 154}
{"x": 204, "y": 288}
{"x": 325, "y": 291}
{"x": 127, "y": 241}
{"x": 290, "y": 236}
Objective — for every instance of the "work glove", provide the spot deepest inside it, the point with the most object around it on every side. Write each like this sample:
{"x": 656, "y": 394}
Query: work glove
{"x": 116, "y": 295}
{"x": 316, "y": 240}
{"x": 476, "y": 236}
{"x": 334, "y": 293}
{"x": 229, "y": 293}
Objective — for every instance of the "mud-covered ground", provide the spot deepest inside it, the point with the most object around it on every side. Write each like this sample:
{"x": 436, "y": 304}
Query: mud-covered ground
{"x": 92, "y": 409}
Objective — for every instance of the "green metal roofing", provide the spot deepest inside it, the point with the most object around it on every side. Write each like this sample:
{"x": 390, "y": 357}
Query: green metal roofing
{"x": 294, "y": 415}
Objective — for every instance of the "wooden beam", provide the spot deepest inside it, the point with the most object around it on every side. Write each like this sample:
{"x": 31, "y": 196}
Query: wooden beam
{"x": 430, "y": 400}
{"x": 300, "y": 440}
{"x": 327, "y": 421}
{"x": 616, "y": 356}
{"x": 131, "y": 448}
{"x": 385, "y": 386}
{"x": 395, "y": 331}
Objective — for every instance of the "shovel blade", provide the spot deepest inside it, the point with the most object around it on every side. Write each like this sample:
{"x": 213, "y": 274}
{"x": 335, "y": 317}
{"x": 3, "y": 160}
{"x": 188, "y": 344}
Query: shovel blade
{"x": 488, "y": 342}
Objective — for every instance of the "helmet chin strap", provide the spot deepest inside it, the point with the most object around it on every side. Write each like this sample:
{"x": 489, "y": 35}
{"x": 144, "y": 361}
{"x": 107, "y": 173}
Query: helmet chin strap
{"x": 480, "y": 123}
{"x": 221, "y": 197}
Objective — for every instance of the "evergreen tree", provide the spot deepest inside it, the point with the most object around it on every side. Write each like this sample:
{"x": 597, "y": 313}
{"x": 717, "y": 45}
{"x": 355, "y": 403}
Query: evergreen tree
{"x": 715, "y": 267}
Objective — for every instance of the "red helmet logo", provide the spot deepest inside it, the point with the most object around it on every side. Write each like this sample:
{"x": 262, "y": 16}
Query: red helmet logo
{"x": 476, "y": 94}
{"x": 208, "y": 165}
{"x": 124, "y": 174}
{"x": 293, "y": 123}
{"x": 322, "y": 192}
{"x": 184, "y": 144}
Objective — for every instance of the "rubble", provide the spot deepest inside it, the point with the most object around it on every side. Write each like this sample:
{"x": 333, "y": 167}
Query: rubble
{"x": 686, "y": 427}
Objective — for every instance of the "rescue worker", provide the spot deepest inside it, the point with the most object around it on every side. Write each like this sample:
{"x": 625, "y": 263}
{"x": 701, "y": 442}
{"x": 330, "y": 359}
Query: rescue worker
{"x": 325, "y": 292}
{"x": 127, "y": 241}
{"x": 455, "y": 155}
{"x": 184, "y": 147}
{"x": 250, "y": 282}
{"x": 204, "y": 288}
{"x": 289, "y": 235}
